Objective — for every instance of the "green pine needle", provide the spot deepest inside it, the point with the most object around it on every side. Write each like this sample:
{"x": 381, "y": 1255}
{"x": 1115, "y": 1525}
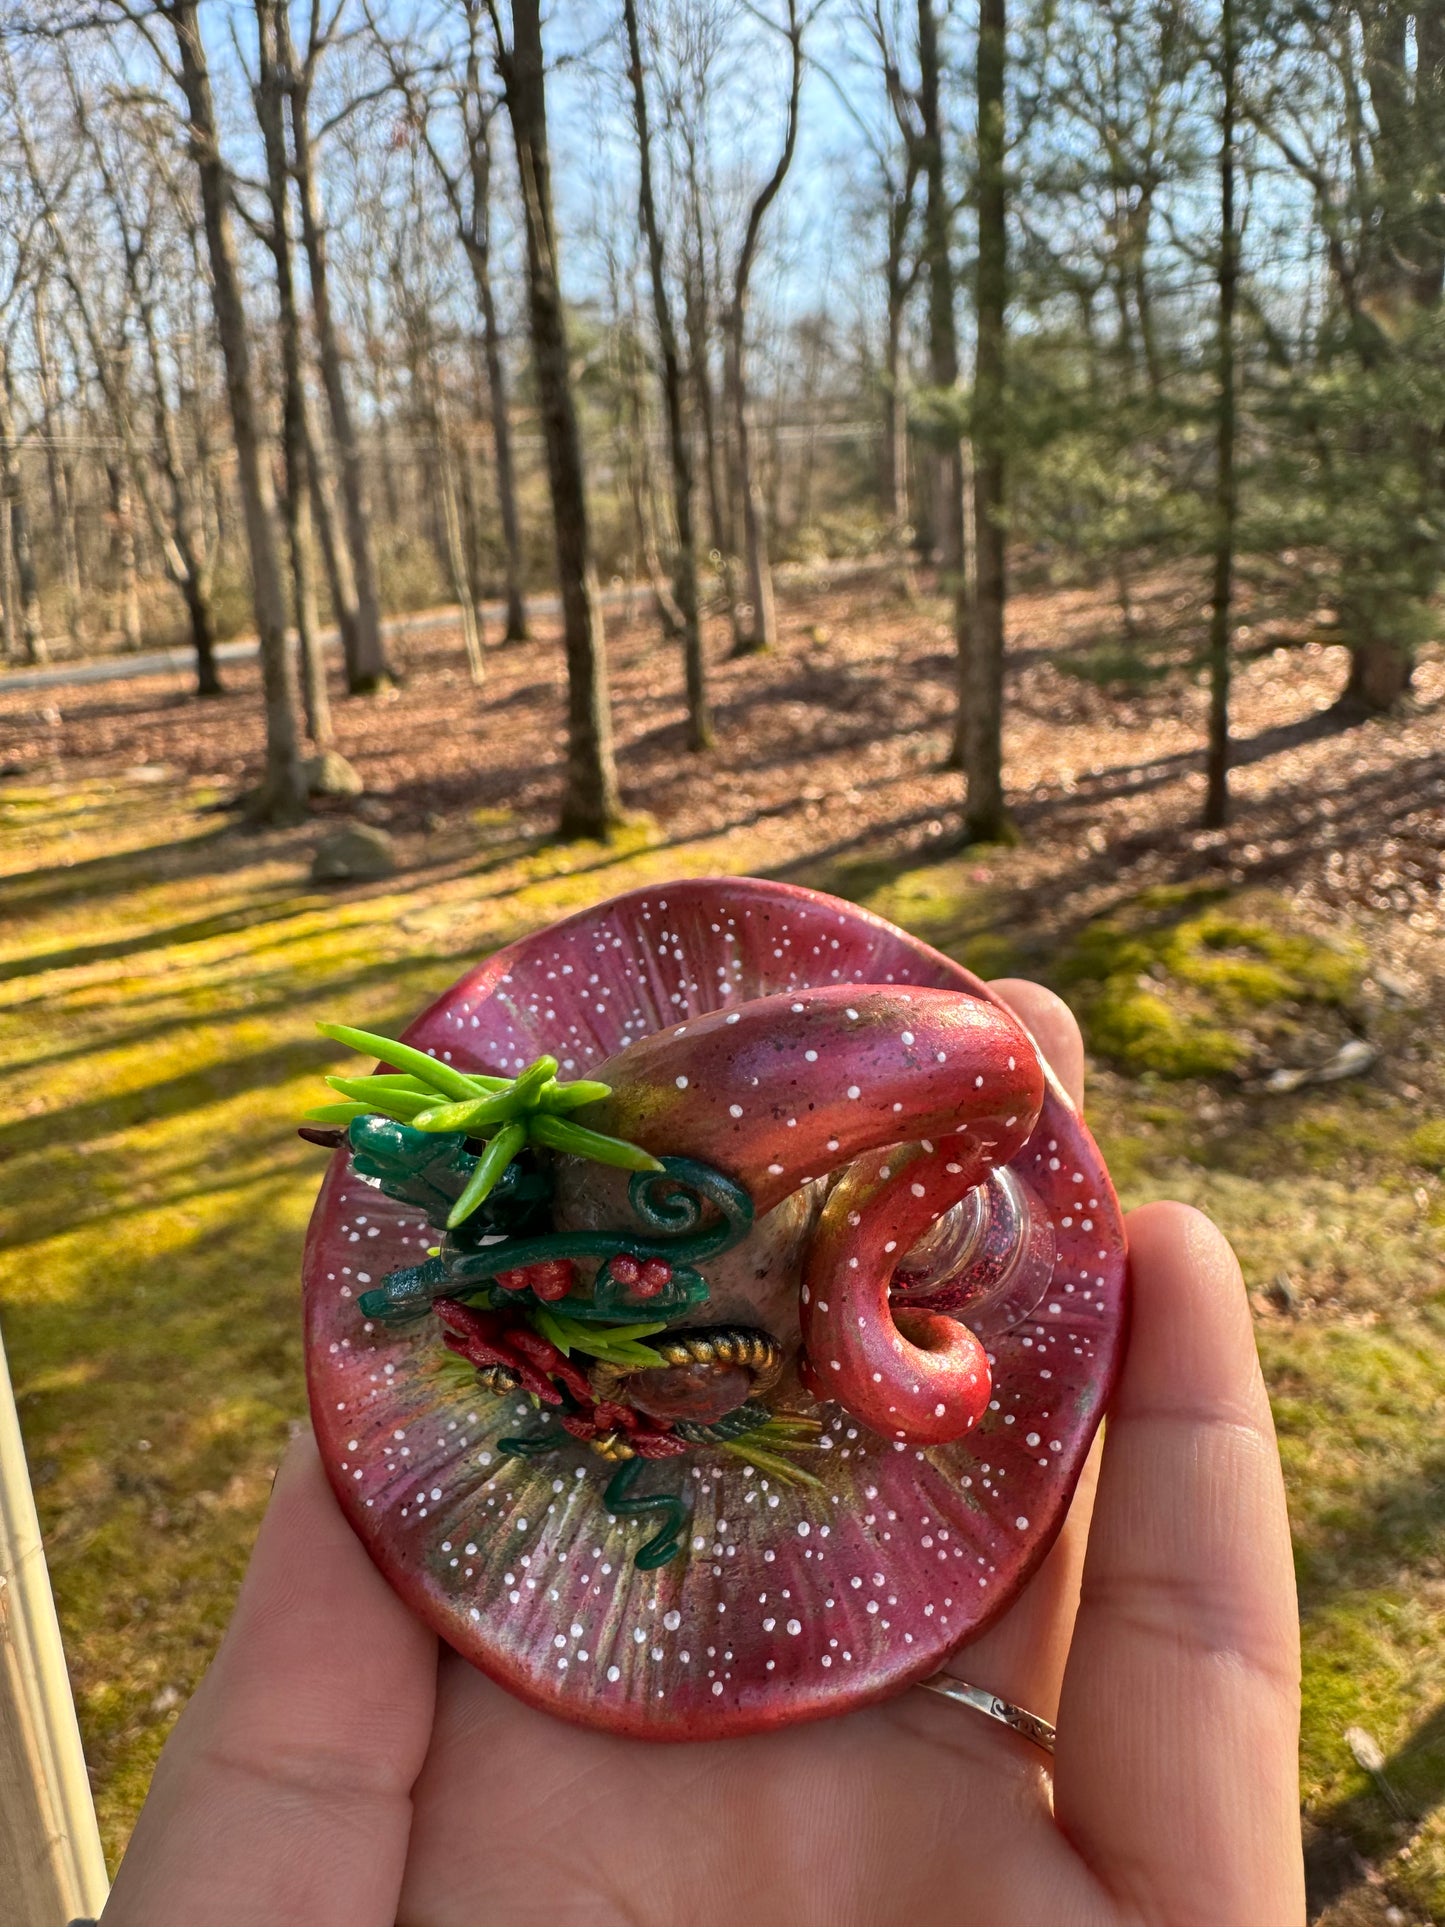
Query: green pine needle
{"x": 478, "y": 1116}
{"x": 560, "y": 1134}
{"x": 337, "y": 1113}
{"x": 613, "y": 1344}
{"x": 389, "y": 1102}
{"x": 769, "y": 1462}
{"x": 571, "y": 1097}
{"x": 788, "y": 1431}
{"x": 509, "y": 1111}
{"x": 441, "y": 1077}
{"x": 486, "y": 1172}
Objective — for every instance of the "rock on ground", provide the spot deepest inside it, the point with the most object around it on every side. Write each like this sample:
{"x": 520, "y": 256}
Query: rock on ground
{"x": 354, "y": 854}
{"x": 329, "y": 774}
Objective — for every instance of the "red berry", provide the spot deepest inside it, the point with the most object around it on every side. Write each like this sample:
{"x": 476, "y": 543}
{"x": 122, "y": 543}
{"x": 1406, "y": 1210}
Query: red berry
{"x": 654, "y": 1275}
{"x": 514, "y": 1280}
{"x": 550, "y": 1280}
{"x": 625, "y": 1270}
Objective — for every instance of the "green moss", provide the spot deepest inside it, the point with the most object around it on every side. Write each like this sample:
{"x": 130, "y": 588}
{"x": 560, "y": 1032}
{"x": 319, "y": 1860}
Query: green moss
{"x": 1140, "y": 1030}
{"x": 1358, "y": 1414}
{"x": 1160, "y": 989}
{"x": 950, "y": 903}
{"x": 1427, "y": 1145}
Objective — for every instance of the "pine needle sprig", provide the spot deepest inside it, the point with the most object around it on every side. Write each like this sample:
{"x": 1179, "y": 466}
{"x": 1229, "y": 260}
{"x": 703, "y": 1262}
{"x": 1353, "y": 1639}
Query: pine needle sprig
{"x": 765, "y": 1447}
{"x": 506, "y": 1114}
{"x": 612, "y": 1344}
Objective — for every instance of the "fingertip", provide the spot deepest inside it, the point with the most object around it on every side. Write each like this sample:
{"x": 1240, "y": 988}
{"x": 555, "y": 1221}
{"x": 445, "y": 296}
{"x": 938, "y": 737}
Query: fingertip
{"x": 1053, "y": 1027}
{"x": 1191, "y": 1334}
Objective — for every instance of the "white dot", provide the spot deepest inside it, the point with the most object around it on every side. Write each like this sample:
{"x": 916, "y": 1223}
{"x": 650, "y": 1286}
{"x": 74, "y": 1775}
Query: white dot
{"x": 853, "y": 1091}
{"x": 682, "y": 1083}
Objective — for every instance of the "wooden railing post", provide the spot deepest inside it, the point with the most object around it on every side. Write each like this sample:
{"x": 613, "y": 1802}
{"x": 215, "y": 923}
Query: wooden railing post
{"x": 51, "y": 1866}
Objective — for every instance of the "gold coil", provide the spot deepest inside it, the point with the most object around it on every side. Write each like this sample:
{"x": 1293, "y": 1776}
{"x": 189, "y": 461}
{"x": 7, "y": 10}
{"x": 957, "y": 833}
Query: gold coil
{"x": 720, "y": 1346}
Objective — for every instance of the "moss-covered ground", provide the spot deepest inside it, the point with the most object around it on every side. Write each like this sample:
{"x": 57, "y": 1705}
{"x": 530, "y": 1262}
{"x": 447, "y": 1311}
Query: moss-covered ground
{"x": 160, "y": 971}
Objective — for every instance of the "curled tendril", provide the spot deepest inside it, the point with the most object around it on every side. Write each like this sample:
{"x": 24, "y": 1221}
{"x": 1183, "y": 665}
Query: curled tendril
{"x": 672, "y": 1200}
{"x": 665, "y": 1544}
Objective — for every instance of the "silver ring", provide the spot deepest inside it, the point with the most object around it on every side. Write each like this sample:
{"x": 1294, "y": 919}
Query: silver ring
{"x": 1027, "y": 1725}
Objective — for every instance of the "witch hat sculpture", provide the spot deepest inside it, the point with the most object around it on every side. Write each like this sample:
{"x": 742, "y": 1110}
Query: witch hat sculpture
{"x": 709, "y": 1307}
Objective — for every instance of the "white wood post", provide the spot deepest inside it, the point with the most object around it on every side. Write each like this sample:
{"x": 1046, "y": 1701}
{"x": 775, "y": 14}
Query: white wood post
{"x": 51, "y": 1866}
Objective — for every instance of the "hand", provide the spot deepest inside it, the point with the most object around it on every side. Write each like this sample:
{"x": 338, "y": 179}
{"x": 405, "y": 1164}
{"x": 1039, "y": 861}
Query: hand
{"x": 333, "y": 1767}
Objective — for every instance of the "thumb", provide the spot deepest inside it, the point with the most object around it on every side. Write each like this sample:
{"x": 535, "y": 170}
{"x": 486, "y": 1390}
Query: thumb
{"x": 283, "y": 1794}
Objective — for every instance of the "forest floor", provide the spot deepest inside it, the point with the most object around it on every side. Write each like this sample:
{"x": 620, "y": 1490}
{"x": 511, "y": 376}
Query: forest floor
{"x": 161, "y": 967}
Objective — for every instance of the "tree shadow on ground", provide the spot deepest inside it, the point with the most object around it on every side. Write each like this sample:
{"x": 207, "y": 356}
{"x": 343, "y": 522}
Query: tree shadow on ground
{"x": 210, "y": 852}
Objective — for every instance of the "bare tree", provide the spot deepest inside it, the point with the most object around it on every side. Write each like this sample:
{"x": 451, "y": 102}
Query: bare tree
{"x": 1226, "y": 496}
{"x": 283, "y": 790}
{"x": 918, "y": 109}
{"x": 359, "y": 616}
{"x": 756, "y": 618}
{"x": 124, "y": 547}
{"x": 685, "y": 589}
{"x": 897, "y": 162}
{"x": 59, "y": 478}
{"x": 26, "y": 589}
{"x": 21, "y": 588}
{"x": 985, "y": 818}
{"x": 591, "y": 803}
{"x": 137, "y": 209}
{"x": 943, "y": 360}
{"x": 467, "y": 183}
{"x": 270, "y": 93}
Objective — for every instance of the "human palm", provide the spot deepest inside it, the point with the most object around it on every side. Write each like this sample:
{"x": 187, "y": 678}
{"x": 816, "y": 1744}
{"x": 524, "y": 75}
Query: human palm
{"x": 331, "y": 1768}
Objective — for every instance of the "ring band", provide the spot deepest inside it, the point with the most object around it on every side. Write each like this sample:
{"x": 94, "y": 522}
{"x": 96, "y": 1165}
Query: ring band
{"x": 1027, "y": 1725}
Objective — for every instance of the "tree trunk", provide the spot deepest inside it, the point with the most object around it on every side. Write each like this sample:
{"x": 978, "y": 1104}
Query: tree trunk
{"x": 1381, "y": 671}
{"x": 591, "y": 804}
{"x": 895, "y": 421}
{"x": 948, "y": 529}
{"x": 8, "y": 635}
{"x": 698, "y": 321}
{"x": 945, "y": 504}
{"x": 123, "y": 552}
{"x": 470, "y": 473}
{"x": 756, "y": 622}
{"x": 283, "y": 790}
{"x": 58, "y": 473}
{"x": 985, "y": 818}
{"x": 203, "y": 636}
{"x": 368, "y": 670}
{"x": 271, "y": 114}
{"x": 684, "y": 578}
{"x": 477, "y": 240}
{"x": 454, "y": 548}
{"x": 755, "y": 616}
{"x": 1216, "y": 795}
{"x": 335, "y": 555}
{"x": 25, "y": 591}
{"x": 516, "y": 568}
